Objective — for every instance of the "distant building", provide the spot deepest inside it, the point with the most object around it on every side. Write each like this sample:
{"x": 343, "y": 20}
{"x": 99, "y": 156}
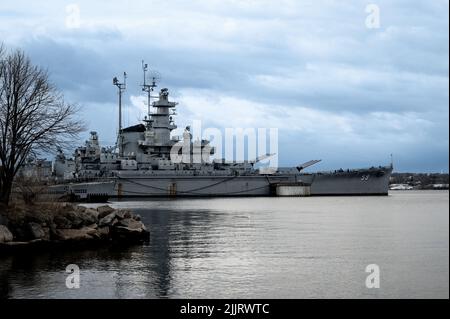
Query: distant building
{"x": 400, "y": 187}
{"x": 63, "y": 168}
{"x": 39, "y": 169}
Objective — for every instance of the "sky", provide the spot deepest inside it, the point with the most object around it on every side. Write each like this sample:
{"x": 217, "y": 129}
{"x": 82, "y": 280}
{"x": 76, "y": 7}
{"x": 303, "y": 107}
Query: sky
{"x": 348, "y": 82}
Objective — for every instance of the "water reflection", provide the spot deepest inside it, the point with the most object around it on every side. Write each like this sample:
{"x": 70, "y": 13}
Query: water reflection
{"x": 26, "y": 271}
{"x": 172, "y": 232}
{"x": 137, "y": 271}
{"x": 257, "y": 248}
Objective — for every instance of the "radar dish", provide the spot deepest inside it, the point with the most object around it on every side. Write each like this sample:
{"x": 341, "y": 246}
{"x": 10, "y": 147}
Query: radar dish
{"x": 154, "y": 76}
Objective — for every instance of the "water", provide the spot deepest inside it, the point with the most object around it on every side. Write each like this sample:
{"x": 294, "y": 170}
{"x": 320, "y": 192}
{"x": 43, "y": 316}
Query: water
{"x": 315, "y": 247}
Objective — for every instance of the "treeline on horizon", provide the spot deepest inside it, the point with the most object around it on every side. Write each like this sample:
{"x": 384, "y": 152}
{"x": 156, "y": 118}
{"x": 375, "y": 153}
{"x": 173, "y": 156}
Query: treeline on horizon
{"x": 421, "y": 180}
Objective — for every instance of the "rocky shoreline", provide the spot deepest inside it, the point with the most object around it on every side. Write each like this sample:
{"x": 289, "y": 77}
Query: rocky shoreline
{"x": 67, "y": 224}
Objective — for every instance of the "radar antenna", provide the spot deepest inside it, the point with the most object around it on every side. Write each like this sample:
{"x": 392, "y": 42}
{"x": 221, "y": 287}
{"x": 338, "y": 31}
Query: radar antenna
{"x": 154, "y": 77}
{"x": 121, "y": 87}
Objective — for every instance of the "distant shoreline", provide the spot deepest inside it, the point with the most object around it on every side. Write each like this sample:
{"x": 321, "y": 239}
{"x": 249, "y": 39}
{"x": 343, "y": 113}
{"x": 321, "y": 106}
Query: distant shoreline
{"x": 419, "y": 181}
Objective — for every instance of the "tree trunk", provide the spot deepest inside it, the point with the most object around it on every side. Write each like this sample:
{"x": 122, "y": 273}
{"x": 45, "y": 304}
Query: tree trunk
{"x": 5, "y": 192}
{"x": 34, "y": 118}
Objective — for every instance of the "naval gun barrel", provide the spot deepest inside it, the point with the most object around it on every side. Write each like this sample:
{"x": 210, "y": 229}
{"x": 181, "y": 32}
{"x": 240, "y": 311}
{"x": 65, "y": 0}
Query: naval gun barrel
{"x": 261, "y": 158}
{"x": 307, "y": 164}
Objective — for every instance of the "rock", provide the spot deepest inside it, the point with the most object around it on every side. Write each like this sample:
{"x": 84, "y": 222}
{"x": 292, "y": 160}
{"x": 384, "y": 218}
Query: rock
{"x": 65, "y": 207}
{"x": 20, "y": 231}
{"x": 108, "y": 220}
{"x": 75, "y": 219}
{"x": 103, "y": 231}
{"x": 104, "y": 211}
{"x": 126, "y": 234}
{"x": 3, "y": 220}
{"x": 90, "y": 231}
{"x": 72, "y": 224}
{"x": 80, "y": 209}
{"x": 52, "y": 229}
{"x": 84, "y": 233}
{"x": 47, "y": 233}
{"x": 124, "y": 229}
{"x": 131, "y": 223}
{"x": 5, "y": 234}
{"x": 93, "y": 212}
{"x": 128, "y": 214}
{"x": 120, "y": 213}
{"x": 62, "y": 222}
{"x": 36, "y": 216}
{"x": 39, "y": 232}
{"x": 129, "y": 229}
{"x": 89, "y": 217}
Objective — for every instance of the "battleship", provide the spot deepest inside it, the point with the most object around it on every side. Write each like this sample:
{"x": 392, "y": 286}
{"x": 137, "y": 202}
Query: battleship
{"x": 143, "y": 163}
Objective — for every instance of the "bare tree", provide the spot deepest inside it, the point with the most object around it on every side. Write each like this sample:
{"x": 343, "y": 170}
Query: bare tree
{"x": 34, "y": 117}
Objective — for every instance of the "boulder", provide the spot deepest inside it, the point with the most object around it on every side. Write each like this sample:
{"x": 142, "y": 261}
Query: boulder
{"x": 128, "y": 214}
{"x": 47, "y": 233}
{"x": 5, "y": 234}
{"x": 3, "y": 219}
{"x": 108, "y": 220}
{"x": 89, "y": 216}
{"x": 62, "y": 222}
{"x": 120, "y": 213}
{"x": 131, "y": 223}
{"x": 80, "y": 209}
{"x": 36, "y": 216}
{"x": 136, "y": 217}
{"x": 84, "y": 233}
{"x": 19, "y": 230}
{"x": 103, "y": 231}
{"x": 39, "y": 232}
{"x": 52, "y": 227}
{"x": 104, "y": 211}
{"x": 66, "y": 205}
{"x": 93, "y": 212}
{"x": 126, "y": 234}
{"x": 75, "y": 218}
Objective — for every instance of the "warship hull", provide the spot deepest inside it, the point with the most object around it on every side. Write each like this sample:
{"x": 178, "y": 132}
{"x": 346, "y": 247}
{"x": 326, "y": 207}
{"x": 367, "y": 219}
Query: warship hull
{"x": 349, "y": 183}
{"x": 147, "y": 161}
{"x": 358, "y": 182}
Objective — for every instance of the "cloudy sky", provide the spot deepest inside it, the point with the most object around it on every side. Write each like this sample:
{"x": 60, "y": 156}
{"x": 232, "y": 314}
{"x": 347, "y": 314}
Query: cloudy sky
{"x": 348, "y": 82}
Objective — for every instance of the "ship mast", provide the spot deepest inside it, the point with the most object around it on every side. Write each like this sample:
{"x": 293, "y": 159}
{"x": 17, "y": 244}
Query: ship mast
{"x": 121, "y": 88}
{"x": 148, "y": 88}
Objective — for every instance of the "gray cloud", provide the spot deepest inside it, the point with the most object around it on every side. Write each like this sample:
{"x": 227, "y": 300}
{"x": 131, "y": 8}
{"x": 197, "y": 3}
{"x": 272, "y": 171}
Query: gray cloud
{"x": 387, "y": 88}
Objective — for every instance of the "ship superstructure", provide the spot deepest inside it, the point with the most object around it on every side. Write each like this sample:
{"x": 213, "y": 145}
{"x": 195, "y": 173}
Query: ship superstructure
{"x": 148, "y": 160}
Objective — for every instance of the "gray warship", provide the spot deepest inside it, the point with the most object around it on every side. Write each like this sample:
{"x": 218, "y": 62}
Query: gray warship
{"x": 142, "y": 164}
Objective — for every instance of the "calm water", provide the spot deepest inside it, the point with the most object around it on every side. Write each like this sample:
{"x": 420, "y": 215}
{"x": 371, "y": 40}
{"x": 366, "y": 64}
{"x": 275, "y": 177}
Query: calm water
{"x": 315, "y": 247}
